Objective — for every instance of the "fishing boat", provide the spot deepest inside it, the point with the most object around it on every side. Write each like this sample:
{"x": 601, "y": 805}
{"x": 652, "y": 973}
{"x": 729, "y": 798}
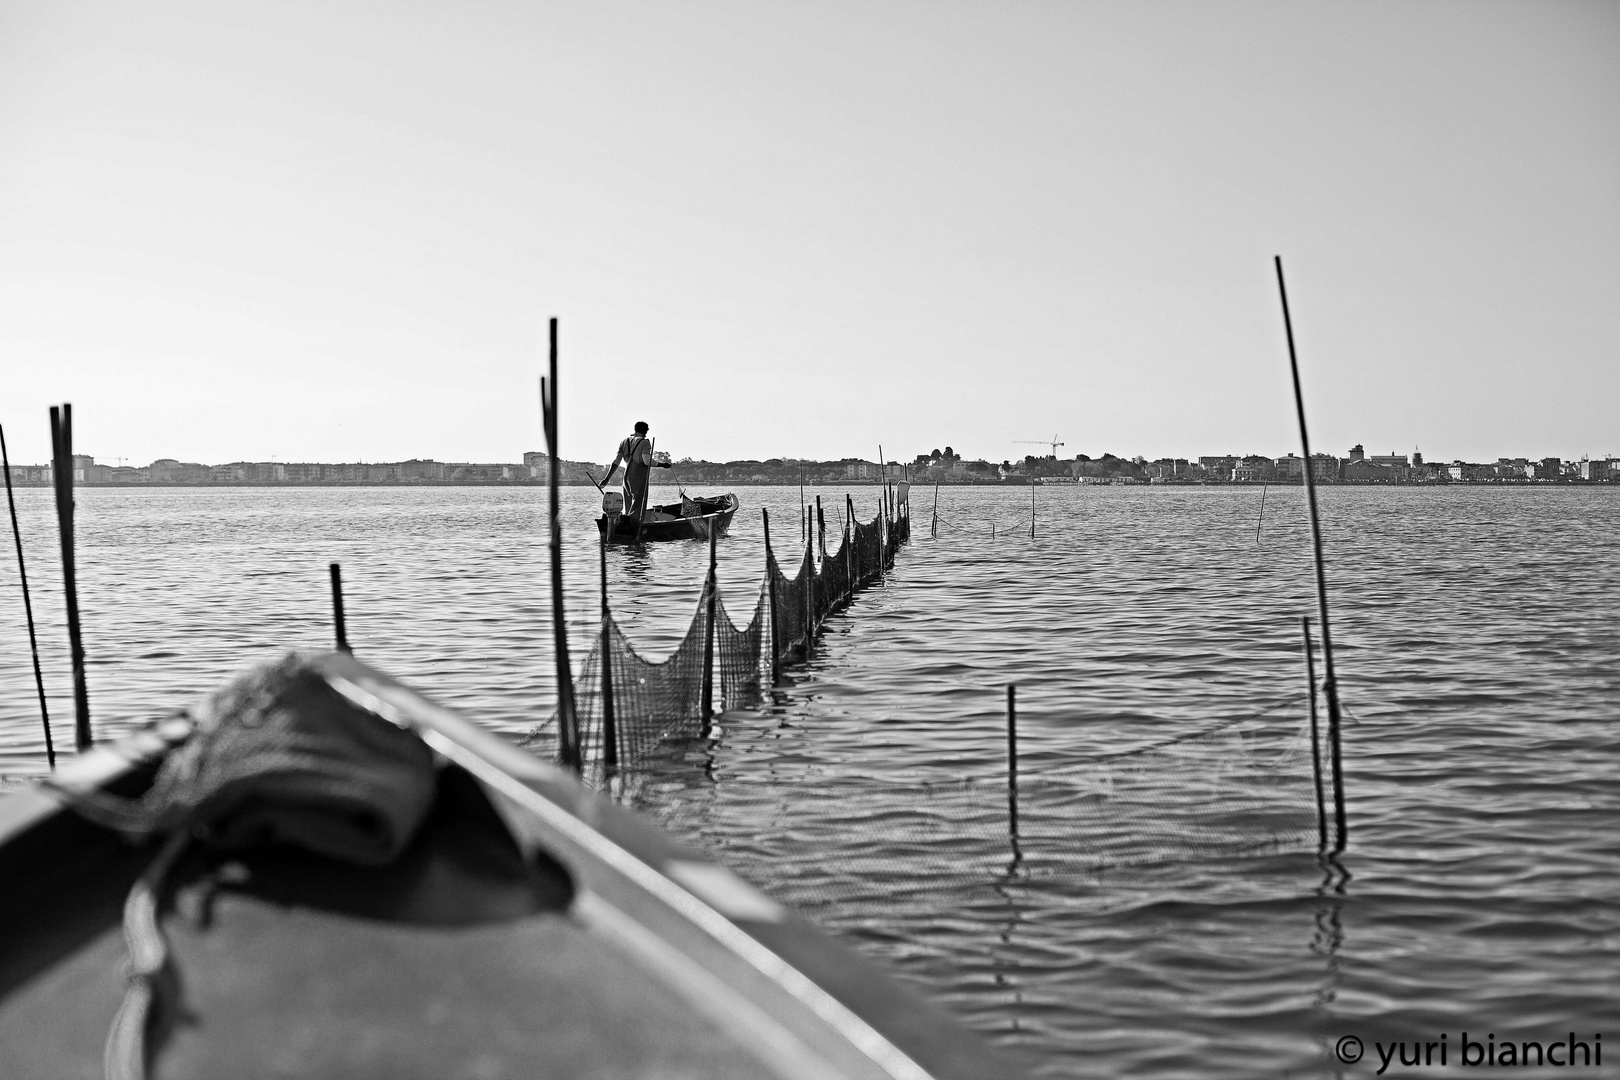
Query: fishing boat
{"x": 362, "y": 882}
{"x": 689, "y": 519}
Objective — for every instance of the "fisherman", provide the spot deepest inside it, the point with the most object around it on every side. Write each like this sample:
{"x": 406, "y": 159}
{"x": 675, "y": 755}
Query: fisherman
{"x": 637, "y": 454}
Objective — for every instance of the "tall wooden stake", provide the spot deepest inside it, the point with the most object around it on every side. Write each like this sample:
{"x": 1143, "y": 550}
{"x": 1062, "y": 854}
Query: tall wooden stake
{"x": 1262, "y": 517}
{"x": 62, "y": 475}
{"x": 1012, "y": 760}
{"x": 610, "y": 726}
{"x": 770, "y": 586}
{"x": 568, "y": 750}
{"x": 849, "y": 549}
{"x": 28, "y": 605}
{"x": 339, "y": 626}
{"x": 1032, "y": 509}
{"x": 933, "y": 529}
{"x": 821, "y": 530}
{"x": 1316, "y": 738}
{"x": 711, "y": 593}
{"x": 1330, "y": 687}
{"x": 809, "y": 565}
{"x": 883, "y": 538}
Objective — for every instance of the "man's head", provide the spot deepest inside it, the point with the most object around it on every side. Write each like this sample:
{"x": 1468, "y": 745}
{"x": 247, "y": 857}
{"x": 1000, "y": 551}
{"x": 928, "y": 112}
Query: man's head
{"x": 641, "y": 427}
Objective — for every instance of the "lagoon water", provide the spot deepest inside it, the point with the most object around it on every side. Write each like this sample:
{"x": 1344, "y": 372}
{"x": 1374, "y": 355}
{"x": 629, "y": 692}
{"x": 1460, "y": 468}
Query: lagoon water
{"x": 1477, "y": 636}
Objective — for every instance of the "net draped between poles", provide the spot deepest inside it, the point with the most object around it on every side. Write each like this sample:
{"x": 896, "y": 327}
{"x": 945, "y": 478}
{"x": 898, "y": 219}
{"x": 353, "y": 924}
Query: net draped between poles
{"x": 658, "y": 700}
{"x": 1236, "y": 788}
{"x": 1231, "y": 788}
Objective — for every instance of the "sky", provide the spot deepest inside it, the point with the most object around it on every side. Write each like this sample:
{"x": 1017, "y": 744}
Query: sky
{"x": 336, "y": 232}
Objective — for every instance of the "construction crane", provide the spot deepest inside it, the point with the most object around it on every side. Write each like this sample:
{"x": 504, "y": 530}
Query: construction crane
{"x": 1052, "y": 442}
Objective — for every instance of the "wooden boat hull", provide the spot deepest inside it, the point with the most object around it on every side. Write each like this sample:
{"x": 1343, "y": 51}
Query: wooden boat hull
{"x": 533, "y": 926}
{"x": 673, "y": 521}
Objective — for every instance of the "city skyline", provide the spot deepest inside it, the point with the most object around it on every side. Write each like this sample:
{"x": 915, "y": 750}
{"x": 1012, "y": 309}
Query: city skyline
{"x": 1357, "y": 465}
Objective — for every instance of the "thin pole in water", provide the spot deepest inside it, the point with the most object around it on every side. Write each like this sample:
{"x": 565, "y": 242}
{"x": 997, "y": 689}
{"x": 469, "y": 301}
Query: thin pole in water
{"x": 1263, "y": 489}
{"x": 62, "y": 475}
{"x": 883, "y": 538}
{"x": 1329, "y": 685}
{"x": 568, "y": 749}
{"x": 933, "y": 529}
{"x": 821, "y": 530}
{"x": 809, "y": 570}
{"x": 849, "y": 550}
{"x": 1012, "y": 761}
{"x": 1032, "y": 510}
{"x": 28, "y": 605}
{"x": 340, "y": 627}
{"x": 1316, "y": 738}
{"x": 770, "y": 586}
{"x": 710, "y": 595}
{"x": 610, "y": 727}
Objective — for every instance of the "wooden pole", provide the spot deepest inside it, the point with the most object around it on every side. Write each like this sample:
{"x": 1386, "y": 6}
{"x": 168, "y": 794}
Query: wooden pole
{"x": 62, "y": 475}
{"x": 849, "y": 553}
{"x": 1330, "y": 687}
{"x": 568, "y": 750}
{"x": 821, "y": 530}
{"x": 339, "y": 625}
{"x": 610, "y": 726}
{"x": 1012, "y": 760}
{"x": 809, "y": 600}
{"x": 883, "y": 538}
{"x": 1316, "y": 738}
{"x": 710, "y": 595}
{"x": 849, "y": 525}
{"x": 933, "y": 529}
{"x": 1032, "y": 509}
{"x": 770, "y": 587}
{"x": 28, "y": 605}
{"x": 1263, "y": 489}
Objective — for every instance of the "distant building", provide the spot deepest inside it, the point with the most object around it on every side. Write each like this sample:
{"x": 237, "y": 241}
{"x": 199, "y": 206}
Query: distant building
{"x": 1253, "y": 469}
{"x": 1362, "y": 471}
{"x": 1324, "y": 468}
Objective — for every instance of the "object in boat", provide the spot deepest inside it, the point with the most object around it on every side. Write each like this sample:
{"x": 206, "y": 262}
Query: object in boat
{"x": 321, "y": 873}
{"x": 689, "y": 519}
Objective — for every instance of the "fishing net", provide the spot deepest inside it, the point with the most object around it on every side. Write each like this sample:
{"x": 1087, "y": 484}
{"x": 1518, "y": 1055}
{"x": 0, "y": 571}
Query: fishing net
{"x": 657, "y": 700}
{"x": 654, "y": 702}
{"x": 1236, "y": 788}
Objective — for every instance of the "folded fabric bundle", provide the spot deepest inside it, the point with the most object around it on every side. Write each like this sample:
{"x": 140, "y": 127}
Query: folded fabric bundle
{"x": 280, "y": 757}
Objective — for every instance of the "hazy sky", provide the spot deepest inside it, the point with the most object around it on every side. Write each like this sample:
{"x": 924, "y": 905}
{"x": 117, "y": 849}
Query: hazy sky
{"x": 335, "y": 231}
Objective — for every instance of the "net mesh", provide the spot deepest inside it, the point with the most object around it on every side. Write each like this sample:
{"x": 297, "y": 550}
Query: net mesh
{"x": 1236, "y": 788}
{"x": 656, "y": 701}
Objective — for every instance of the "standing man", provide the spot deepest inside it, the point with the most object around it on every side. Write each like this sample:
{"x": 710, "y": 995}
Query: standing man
{"x": 637, "y": 454}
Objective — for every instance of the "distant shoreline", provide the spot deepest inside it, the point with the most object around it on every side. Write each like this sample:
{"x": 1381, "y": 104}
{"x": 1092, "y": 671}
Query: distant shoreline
{"x": 809, "y": 483}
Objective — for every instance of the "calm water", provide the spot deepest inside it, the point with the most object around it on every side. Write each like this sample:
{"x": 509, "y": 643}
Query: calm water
{"x": 1478, "y": 636}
